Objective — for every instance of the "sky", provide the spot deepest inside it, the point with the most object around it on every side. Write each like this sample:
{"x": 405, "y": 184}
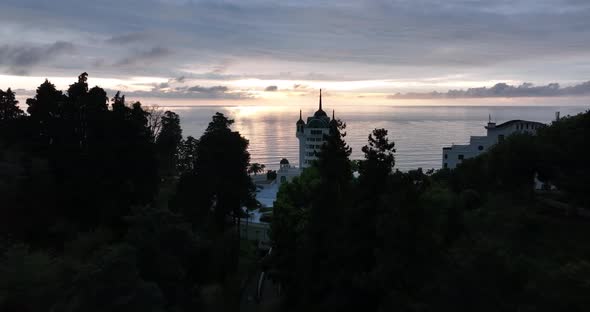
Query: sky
{"x": 263, "y": 51}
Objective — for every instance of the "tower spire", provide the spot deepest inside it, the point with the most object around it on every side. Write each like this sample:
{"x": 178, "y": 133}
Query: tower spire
{"x": 300, "y": 116}
{"x": 333, "y": 118}
{"x": 320, "y": 99}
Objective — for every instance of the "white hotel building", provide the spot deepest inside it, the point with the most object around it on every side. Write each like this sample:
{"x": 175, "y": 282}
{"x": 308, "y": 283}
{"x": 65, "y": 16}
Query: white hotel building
{"x": 311, "y": 135}
{"x": 455, "y": 154}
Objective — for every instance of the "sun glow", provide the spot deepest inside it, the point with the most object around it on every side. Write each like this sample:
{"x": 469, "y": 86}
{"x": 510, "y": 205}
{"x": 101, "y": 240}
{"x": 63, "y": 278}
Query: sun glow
{"x": 247, "y": 111}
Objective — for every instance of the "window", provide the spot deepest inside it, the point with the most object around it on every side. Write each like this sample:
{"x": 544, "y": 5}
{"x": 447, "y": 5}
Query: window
{"x": 446, "y": 156}
{"x": 283, "y": 179}
{"x": 445, "y": 165}
{"x": 460, "y": 157}
{"x": 500, "y": 137}
{"x": 480, "y": 148}
{"x": 316, "y": 131}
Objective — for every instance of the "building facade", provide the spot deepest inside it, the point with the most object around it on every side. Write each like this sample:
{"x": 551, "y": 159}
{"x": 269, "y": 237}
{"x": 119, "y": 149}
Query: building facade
{"x": 455, "y": 154}
{"x": 311, "y": 135}
{"x": 286, "y": 172}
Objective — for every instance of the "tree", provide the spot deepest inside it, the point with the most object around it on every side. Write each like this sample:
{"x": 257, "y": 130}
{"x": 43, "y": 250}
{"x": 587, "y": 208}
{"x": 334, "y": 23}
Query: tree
{"x": 44, "y": 110}
{"x": 90, "y": 149}
{"x": 378, "y": 163}
{"x": 118, "y": 103}
{"x": 11, "y": 121}
{"x": 563, "y": 153}
{"x": 168, "y": 142}
{"x": 46, "y": 102}
{"x": 9, "y": 109}
{"x": 155, "y": 119}
{"x": 325, "y": 229}
{"x": 78, "y": 169}
{"x": 256, "y": 168}
{"x": 219, "y": 182}
{"x": 374, "y": 174}
{"x": 187, "y": 155}
{"x": 289, "y": 232}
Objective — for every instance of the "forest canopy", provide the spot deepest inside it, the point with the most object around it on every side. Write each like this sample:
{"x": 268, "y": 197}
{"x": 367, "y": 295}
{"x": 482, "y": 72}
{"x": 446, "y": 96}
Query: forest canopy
{"x": 106, "y": 206}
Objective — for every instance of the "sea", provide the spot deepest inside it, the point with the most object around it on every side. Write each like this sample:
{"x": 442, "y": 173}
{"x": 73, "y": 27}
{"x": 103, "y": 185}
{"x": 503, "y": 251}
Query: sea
{"x": 419, "y": 131}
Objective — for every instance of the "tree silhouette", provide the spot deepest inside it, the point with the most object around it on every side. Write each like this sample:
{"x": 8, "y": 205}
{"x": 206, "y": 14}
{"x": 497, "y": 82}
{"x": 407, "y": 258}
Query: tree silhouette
{"x": 79, "y": 183}
{"x": 219, "y": 181}
{"x": 9, "y": 109}
{"x": 168, "y": 142}
{"x": 374, "y": 174}
{"x": 155, "y": 119}
{"x": 256, "y": 168}
{"x": 325, "y": 227}
{"x": 187, "y": 155}
{"x": 46, "y": 103}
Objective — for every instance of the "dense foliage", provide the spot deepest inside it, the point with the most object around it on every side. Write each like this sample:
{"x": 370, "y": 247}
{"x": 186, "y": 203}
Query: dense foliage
{"x": 106, "y": 207}
{"x": 477, "y": 238}
{"x": 84, "y": 217}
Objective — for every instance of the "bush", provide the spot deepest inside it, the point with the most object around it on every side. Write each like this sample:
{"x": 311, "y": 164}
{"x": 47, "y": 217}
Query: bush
{"x": 469, "y": 199}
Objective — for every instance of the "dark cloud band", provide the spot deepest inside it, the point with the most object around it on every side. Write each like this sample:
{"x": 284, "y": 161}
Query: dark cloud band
{"x": 503, "y": 90}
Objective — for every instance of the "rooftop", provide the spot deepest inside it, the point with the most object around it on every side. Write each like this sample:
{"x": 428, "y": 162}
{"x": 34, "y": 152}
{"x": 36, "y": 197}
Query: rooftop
{"x": 511, "y": 122}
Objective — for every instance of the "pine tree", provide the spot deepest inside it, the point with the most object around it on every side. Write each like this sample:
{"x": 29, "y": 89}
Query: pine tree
{"x": 374, "y": 172}
{"x": 9, "y": 109}
{"x": 326, "y": 244}
{"x": 168, "y": 143}
{"x": 219, "y": 182}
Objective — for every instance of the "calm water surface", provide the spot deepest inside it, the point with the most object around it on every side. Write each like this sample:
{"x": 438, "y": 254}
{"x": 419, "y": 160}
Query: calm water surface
{"x": 419, "y": 132}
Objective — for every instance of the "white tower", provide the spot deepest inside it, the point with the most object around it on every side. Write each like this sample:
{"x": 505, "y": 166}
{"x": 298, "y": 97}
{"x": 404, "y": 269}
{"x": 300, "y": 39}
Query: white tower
{"x": 311, "y": 135}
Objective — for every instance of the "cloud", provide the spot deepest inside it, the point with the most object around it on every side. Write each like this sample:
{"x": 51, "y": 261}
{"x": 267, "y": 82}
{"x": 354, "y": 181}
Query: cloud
{"x": 215, "y": 89}
{"x": 271, "y": 88}
{"x": 128, "y": 38}
{"x": 503, "y": 90}
{"x": 331, "y": 40}
{"x": 168, "y": 90}
{"x": 183, "y": 93}
{"x": 144, "y": 57}
{"x": 162, "y": 85}
{"x": 299, "y": 86}
{"x": 20, "y": 59}
{"x": 214, "y": 92}
{"x": 157, "y": 87}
